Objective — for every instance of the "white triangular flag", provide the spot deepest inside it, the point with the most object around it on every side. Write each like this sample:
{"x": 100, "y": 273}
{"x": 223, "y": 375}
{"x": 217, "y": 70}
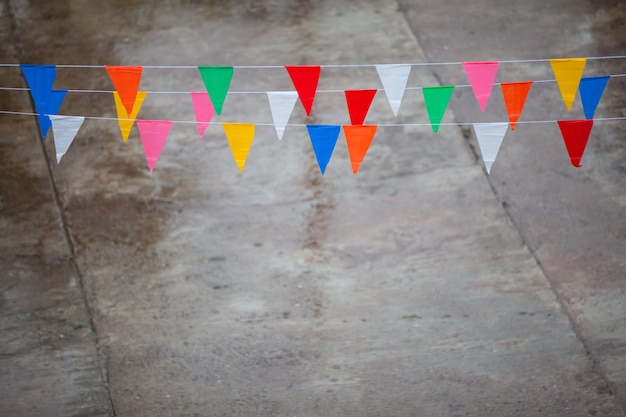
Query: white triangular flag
{"x": 490, "y": 137}
{"x": 281, "y": 106}
{"x": 64, "y": 129}
{"x": 394, "y": 78}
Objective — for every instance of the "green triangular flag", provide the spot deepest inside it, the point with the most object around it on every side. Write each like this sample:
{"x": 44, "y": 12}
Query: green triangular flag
{"x": 437, "y": 99}
{"x": 216, "y": 80}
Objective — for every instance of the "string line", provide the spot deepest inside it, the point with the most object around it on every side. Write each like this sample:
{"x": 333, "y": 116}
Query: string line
{"x": 603, "y": 119}
{"x": 264, "y": 92}
{"x": 416, "y": 64}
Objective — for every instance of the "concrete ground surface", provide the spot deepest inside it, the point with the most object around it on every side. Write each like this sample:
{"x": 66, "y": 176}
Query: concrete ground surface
{"x": 419, "y": 287}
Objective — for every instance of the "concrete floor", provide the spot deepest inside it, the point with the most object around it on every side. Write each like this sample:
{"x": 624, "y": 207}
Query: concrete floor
{"x": 418, "y": 287}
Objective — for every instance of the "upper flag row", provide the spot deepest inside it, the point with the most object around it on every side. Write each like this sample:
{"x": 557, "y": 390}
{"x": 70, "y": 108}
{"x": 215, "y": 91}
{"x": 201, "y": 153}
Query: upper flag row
{"x": 126, "y": 79}
{"x": 129, "y": 99}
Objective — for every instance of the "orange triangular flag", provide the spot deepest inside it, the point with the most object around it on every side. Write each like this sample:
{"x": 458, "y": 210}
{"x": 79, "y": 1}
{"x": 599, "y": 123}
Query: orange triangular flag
{"x": 126, "y": 82}
{"x": 359, "y": 138}
{"x": 568, "y": 73}
{"x": 514, "y": 98}
{"x": 240, "y": 136}
{"x": 126, "y": 120}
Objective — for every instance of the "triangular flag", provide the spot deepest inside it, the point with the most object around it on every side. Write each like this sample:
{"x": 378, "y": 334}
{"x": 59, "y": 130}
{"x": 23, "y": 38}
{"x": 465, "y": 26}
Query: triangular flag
{"x": 64, "y": 129}
{"x": 126, "y": 81}
{"x": 394, "y": 78}
{"x": 39, "y": 79}
{"x": 568, "y": 72}
{"x": 50, "y": 107}
{"x": 481, "y": 75}
{"x": 514, "y": 95}
{"x": 240, "y": 138}
{"x": 305, "y": 79}
{"x": 124, "y": 119}
{"x": 591, "y": 89}
{"x": 217, "y": 82}
{"x": 281, "y": 106}
{"x": 153, "y": 136}
{"x": 436, "y": 100}
{"x": 203, "y": 108}
{"x": 490, "y": 137}
{"x": 359, "y": 102}
{"x": 358, "y": 139}
{"x": 575, "y": 134}
{"x": 323, "y": 140}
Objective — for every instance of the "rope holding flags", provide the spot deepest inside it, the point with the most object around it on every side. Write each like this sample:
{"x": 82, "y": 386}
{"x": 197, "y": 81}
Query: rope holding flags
{"x": 482, "y": 75}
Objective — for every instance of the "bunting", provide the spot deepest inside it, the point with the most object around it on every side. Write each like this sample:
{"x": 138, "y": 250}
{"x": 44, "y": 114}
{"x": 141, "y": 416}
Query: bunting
{"x": 394, "y": 79}
{"x": 40, "y": 79}
{"x": 568, "y": 72}
{"x": 125, "y": 120}
{"x": 64, "y": 129}
{"x": 514, "y": 95}
{"x": 217, "y": 82}
{"x": 323, "y": 140}
{"x": 358, "y": 139}
{"x": 281, "y": 106}
{"x": 575, "y": 135}
{"x": 128, "y": 102}
{"x": 436, "y": 100}
{"x": 359, "y": 102}
{"x": 481, "y": 75}
{"x": 489, "y": 136}
{"x": 591, "y": 90}
{"x": 305, "y": 79}
{"x": 203, "y": 109}
{"x": 153, "y": 136}
{"x": 126, "y": 82}
{"x": 240, "y": 137}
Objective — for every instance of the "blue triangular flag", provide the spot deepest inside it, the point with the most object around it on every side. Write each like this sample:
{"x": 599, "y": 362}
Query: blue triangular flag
{"x": 51, "y": 106}
{"x": 591, "y": 89}
{"x": 323, "y": 140}
{"x": 39, "y": 79}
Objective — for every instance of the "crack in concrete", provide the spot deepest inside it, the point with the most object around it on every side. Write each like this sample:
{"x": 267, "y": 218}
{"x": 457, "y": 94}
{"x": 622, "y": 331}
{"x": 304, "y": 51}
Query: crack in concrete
{"x": 17, "y": 46}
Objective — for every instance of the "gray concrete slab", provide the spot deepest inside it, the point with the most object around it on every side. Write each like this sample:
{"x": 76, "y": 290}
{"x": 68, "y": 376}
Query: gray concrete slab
{"x": 48, "y": 361}
{"x": 572, "y": 219}
{"x": 404, "y": 290}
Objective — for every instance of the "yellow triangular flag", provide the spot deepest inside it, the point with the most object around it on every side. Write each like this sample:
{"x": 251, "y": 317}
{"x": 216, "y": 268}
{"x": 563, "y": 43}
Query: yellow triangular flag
{"x": 240, "y": 138}
{"x": 126, "y": 121}
{"x": 568, "y": 72}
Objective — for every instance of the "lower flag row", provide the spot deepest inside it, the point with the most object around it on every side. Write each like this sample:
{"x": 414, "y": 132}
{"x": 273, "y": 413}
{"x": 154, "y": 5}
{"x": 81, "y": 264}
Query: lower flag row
{"x": 323, "y": 139}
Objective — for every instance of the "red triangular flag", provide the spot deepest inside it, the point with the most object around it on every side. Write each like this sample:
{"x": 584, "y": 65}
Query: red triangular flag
{"x": 126, "y": 81}
{"x": 514, "y": 95}
{"x": 305, "y": 80}
{"x": 575, "y": 134}
{"x": 359, "y": 139}
{"x": 359, "y": 102}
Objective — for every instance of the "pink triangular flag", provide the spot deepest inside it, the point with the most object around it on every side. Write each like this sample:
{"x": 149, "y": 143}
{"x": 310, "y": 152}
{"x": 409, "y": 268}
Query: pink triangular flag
{"x": 481, "y": 75}
{"x": 153, "y": 135}
{"x": 203, "y": 108}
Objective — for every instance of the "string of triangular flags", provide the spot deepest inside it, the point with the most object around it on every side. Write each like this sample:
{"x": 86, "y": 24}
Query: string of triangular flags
{"x": 128, "y": 100}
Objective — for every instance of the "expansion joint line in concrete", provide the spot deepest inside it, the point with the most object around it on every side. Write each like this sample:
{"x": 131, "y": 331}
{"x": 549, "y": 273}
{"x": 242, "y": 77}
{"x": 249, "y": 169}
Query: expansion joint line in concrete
{"x": 466, "y": 134}
{"x": 17, "y": 46}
